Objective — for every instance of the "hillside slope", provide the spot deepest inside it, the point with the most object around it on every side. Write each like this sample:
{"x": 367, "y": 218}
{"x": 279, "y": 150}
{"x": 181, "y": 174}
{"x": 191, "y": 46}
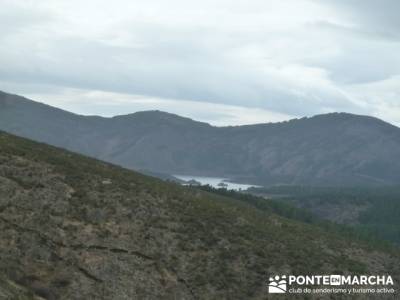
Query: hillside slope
{"x": 332, "y": 149}
{"x": 372, "y": 211}
{"x": 77, "y": 228}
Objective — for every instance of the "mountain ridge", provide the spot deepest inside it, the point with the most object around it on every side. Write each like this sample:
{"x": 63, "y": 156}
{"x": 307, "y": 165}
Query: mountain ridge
{"x": 165, "y": 114}
{"x": 330, "y": 149}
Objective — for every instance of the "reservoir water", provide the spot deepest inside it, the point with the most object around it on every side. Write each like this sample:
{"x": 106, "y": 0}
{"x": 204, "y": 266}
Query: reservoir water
{"x": 215, "y": 182}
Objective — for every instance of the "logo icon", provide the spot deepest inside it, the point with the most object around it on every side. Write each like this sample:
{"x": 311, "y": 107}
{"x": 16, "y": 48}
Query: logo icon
{"x": 335, "y": 280}
{"x": 277, "y": 285}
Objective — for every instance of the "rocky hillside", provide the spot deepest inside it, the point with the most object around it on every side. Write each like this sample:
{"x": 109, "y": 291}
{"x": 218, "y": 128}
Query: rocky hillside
{"x": 333, "y": 149}
{"x": 77, "y": 228}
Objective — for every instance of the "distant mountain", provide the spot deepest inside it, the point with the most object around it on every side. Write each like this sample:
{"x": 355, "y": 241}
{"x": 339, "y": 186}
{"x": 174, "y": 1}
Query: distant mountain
{"x": 78, "y": 228}
{"x": 330, "y": 149}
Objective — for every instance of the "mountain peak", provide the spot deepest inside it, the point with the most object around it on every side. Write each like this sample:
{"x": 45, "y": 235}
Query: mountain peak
{"x": 339, "y": 117}
{"x": 157, "y": 116}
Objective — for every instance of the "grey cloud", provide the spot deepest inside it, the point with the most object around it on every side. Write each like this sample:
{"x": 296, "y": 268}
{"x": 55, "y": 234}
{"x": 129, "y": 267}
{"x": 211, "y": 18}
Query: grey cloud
{"x": 364, "y": 57}
{"x": 193, "y": 72}
{"x": 300, "y": 66}
{"x": 376, "y": 17}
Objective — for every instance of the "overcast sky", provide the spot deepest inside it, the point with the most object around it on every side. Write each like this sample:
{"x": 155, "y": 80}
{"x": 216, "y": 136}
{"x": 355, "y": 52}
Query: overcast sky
{"x": 224, "y": 62}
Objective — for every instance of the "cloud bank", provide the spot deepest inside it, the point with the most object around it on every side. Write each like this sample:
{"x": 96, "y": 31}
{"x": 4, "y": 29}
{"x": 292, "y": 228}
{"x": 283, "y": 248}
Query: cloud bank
{"x": 249, "y": 61}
